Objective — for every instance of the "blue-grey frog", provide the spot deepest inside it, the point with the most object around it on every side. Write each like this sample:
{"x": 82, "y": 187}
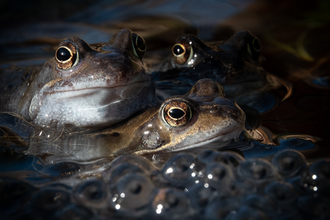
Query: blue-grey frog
{"x": 235, "y": 64}
{"x": 82, "y": 85}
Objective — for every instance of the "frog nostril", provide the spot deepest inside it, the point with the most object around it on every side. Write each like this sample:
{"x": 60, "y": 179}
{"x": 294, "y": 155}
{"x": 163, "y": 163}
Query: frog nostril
{"x": 215, "y": 109}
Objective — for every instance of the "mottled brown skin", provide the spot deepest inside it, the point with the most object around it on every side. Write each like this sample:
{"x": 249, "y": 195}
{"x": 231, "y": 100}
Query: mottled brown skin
{"x": 108, "y": 83}
{"x": 233, "y": 63}
{"x": 212, "y": 118}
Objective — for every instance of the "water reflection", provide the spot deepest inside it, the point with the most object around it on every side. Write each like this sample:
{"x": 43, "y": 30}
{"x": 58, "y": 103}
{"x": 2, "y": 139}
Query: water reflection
{"x": 295, "y": 47}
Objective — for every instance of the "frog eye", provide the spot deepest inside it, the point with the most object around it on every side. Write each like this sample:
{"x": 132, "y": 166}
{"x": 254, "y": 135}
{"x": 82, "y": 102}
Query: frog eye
{"x": 139, "y": 45}
{"x": 180, "y": 53}
{"x": 66, "y": 56}
{"x": 177, "y": 113}
{"x": 254, "y": 47}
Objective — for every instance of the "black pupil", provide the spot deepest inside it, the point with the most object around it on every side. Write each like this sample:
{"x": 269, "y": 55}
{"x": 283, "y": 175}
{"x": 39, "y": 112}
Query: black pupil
{"x": 176, "y": 113}
{"x": 63, "y": 54}
{"x": 177, "y": 50}
{"x": 135, "y": 188}
{"x": 140, "y": 43}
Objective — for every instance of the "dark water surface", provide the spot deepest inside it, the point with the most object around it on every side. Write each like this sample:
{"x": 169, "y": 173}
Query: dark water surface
{"x": 295, "y": 39}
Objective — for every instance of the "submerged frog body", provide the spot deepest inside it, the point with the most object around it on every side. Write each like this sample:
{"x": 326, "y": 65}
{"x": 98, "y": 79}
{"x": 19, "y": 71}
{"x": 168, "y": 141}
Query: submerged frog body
{"x": 83, "y": 85}
{"x": 182, "y": 122}
{"x": 234, "y": 64}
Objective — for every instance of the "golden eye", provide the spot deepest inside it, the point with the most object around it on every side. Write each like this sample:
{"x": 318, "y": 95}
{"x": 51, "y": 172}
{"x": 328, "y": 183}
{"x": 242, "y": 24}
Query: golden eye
{"x": 177, "y": 113}
{"x": 66, "y": 56}
{"x": 180, "y": 53}
{"x": 139, "y": 45}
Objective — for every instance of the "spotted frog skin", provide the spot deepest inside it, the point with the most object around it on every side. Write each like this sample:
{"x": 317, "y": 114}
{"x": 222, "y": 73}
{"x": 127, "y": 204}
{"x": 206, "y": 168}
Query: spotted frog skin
{"x": 182, "y": 122}
{"x": 83, "y": 85}
{"x": 234, "y": 64}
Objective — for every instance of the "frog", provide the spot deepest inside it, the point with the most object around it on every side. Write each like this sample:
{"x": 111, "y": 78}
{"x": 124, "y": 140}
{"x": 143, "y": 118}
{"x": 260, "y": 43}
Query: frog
{"x": 82, "y": 86}
{"x": 234, "y": 63}
{"x": 180, "y": 123}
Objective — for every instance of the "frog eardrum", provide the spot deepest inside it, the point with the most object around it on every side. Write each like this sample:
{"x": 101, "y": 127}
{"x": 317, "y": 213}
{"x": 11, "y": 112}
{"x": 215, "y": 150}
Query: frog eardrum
{"x": 176, "y": 113}
{"x": 66, "y": 56}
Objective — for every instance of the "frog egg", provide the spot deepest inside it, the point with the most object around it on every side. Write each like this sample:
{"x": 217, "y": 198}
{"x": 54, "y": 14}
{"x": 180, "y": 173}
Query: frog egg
{"x": 203, "y": 158}
{"x": 254, "y": 174}
{"x": 314, "y": 206}
{"x": 256, "y": 170}
{"x": 230, "y": 158}
{"x": 201, "y": 195}
{"x": 282, "y": 194}
{"x": 260, "y": 202}
{"x": 131, "y": 195}
{"x": 220, "y": 177}
{"x": 246, "y": 213}
{"x": 14, "y": 195}
{"x": 221, "y": 207}
{"x": 75, "y": 212}
{"x": 170, "y": 203}
{"x": 317, "y": 179}
{"x": 289, "y": 163}
{"x": 91, "y": 193}
{"x": 127, "y": 164}
{"x": 179, "y": 170}
{"x": 48, "y": 200}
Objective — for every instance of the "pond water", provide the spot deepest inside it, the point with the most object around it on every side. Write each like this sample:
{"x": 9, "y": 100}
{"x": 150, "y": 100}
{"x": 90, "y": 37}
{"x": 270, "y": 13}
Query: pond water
{"x": 247, "y": 180}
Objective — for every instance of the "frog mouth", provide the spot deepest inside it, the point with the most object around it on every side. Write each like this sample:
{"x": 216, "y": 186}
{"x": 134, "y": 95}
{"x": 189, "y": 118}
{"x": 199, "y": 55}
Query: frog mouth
{"x": 215, "y": 142}
{"x": 102, "y": 94}
{"x": 90, "y": 106}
